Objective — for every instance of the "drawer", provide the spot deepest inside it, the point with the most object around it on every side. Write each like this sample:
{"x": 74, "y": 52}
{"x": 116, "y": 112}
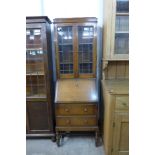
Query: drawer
{"x": 76, "y": 121}
{"x": 122, "y": 103}
{"x": 76, "y": 109}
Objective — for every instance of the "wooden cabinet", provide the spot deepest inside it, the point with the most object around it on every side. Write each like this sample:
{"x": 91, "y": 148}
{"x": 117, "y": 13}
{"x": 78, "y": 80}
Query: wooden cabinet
{"x": 76, "y": 106}
{"x": 116, "y": 30}
{"x": 116, "y": 117}
{"x": 75, "y": 44}
{"x": 39, "y": 83}
{"x": 76, "y": 98}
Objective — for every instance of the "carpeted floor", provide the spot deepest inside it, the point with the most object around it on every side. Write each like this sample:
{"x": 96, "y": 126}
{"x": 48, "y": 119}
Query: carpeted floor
{"x": 71, "y": 146}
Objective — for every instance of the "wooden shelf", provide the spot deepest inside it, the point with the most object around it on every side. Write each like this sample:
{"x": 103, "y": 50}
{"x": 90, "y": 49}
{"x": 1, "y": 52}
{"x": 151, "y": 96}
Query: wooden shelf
{"x": 35, "y": 73}
{"x": 36, "y": 96}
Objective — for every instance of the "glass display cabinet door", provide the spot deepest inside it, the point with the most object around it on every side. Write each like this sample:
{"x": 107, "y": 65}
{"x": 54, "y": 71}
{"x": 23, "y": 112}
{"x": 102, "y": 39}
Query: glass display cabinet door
{"x": 85, "y": 50}
{"x": 65, "y": 63}
{"x": 35, "y": 73}
{"x": 121, "y": 43}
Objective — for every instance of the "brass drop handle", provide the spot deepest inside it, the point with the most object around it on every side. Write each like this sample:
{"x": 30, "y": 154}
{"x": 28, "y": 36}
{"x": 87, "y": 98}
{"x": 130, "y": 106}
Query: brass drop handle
{"x": 85, "y": 109}
{"x": 68, "y": 121}
{"x": 66, "y": 109}
{"x": 85, "y": 121}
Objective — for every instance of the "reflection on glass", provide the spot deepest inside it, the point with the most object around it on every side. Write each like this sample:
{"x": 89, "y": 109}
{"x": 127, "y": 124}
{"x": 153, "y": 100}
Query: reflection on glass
{"x": 35, "y": 76}
{"x": 65, "y": 35}
{"x": 86, "y": 34}
{"x": 122, "y": 43}
{"x": 122, "y": 23}
{"x": 65, "y": 47}
{"x": 122, "y": 6}
{"x": 85, "y": 49}
{"x": 33, "y": 38}
{"x": 34, "y": 62}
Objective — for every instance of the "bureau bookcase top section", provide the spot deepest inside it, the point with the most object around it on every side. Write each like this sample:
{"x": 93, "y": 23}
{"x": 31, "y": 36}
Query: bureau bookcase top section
{"x": 75, "y": 46}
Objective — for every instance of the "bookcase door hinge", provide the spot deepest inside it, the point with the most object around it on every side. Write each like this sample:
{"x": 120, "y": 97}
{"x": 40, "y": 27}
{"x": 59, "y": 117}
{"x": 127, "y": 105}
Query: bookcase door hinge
{"x": 113, "y": 124}
{"x": 112, "y": 150}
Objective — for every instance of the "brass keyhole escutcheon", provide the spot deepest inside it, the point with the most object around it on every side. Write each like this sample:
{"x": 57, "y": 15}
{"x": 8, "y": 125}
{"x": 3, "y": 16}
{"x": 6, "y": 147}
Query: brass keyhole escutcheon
{"x": 85, "y": 109}
{"x": 66, "y": 109}
{"x": 68, "y": 121}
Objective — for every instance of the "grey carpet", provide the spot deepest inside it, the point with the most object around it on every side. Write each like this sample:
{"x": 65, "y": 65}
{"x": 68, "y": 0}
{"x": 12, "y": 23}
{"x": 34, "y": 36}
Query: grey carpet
{"x": 71, "y": 146}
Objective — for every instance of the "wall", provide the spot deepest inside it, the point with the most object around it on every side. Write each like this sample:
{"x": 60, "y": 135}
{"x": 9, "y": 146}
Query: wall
{"x": 66, "y": 8}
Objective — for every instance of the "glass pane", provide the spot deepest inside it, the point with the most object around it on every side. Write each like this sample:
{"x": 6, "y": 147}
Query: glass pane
{"x": 65, "y": 47}
{"x": 122, "y": 6}
{"x": 35, "y": 75}
{"x": 66, "y": 68}
{"x": 85, "y": 68}
{"x": 65, "y": 35}
{"x": 34, "y": 62}
{"x": 33, "y": 38}
{"x": 35, "y": 86}
{"x": 86, "y": 34}
{"x": 122, "y": 43}
{"x": 85, "y": 48}
{"x": 122, "y": 23}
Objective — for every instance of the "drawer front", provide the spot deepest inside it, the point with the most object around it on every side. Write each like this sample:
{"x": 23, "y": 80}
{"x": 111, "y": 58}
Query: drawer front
{"x": 76, "y": 109}
{"x": 76, "y": 121}
{"x": 122, "y": 103}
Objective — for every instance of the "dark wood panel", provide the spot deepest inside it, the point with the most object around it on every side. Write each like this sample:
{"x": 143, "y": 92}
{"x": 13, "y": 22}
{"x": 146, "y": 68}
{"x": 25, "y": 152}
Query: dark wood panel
{"x": 38, "y": 19}
{"x": 38, "y": 116}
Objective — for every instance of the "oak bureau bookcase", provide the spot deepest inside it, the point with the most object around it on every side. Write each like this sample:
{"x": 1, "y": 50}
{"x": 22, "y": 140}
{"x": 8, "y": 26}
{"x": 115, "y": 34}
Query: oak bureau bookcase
{"x": 76, "y": 97}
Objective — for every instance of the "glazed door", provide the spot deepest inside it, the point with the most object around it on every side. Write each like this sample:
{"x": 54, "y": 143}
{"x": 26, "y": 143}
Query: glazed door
{"x": 35, "y": 63}
{"x": 120, "y": 35}
{"x": 65, "y": 51}
{"x": 86, "y": 50}
{"x": 38, "y": 120}
{"x": 38, "y": 108}
{"x": 75, "y": 50}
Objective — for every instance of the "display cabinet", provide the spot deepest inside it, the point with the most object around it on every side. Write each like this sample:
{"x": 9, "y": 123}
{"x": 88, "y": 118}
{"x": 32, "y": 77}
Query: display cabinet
{"x": 39, "y": 82}
{"x": 116, "y": 117}
{"x": 75, "y": 44}
{"x": 116, "y": 30}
